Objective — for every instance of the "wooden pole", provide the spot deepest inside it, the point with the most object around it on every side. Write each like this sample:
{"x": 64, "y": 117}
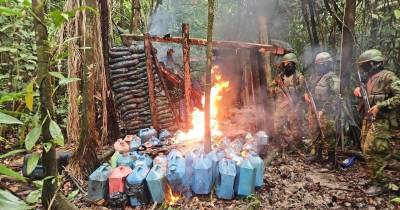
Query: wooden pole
{"x": 267, "y": 73}
{"x": 203, "y": 42}
{"x": 207, "y": 129}
{"x": 150, "y": 79}
{"x": 186, "y": 68}
{"x": 164, "y": 85}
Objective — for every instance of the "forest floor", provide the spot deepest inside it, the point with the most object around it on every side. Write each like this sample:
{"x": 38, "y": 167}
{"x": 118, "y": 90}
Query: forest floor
{"x": 290, "y": 183}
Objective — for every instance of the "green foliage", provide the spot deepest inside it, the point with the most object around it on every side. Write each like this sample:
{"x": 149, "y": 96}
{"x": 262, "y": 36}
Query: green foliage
{"x": 56, "y": 133}
{"x": 11, "y": 173}
{"x": 10, "y": 201}
{"x": 33, "y": 137}
{"x": 7, "y": 119}
{"x": 12, "y": 153}
{"x": 32, "y": 162}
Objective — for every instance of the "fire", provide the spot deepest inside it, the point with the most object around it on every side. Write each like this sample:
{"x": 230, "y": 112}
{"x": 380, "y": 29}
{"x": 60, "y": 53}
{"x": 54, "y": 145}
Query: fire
{"x": 196, "y": 133}
{"x": 170, "y": 198}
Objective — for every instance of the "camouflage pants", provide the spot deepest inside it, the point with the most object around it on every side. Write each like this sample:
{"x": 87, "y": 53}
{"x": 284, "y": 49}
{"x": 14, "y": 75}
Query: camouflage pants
{"x": 286, "y": 125}
{"x": 328, "y": 127}
{"x": 375, "y": 144}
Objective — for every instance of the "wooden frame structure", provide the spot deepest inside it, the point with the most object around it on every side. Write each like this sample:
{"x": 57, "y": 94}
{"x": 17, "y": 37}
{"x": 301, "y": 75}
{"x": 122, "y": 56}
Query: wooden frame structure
{"x": 186, "y": 42}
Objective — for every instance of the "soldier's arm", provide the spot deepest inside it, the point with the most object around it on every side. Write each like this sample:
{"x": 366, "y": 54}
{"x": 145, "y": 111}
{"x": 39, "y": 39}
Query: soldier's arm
{"x": 394, "y": 89}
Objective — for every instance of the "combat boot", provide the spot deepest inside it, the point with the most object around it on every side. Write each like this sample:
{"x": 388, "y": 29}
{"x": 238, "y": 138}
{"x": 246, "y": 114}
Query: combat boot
{"x": 331, "y": 161}
{"x": 317, "y": 157}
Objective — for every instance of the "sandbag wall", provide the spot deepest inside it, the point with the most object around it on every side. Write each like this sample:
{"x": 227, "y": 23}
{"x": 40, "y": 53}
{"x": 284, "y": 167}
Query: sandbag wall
{"x": 129, "y": 82}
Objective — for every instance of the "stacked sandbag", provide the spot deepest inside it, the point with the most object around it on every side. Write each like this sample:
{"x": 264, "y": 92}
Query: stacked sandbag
{"x": 129, "y": 82}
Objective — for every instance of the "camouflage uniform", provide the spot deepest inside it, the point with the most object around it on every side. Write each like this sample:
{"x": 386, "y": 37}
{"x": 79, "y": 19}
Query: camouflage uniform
{"x": 287, "y": 123}
{"x": 383, "y": 90}
{"x": 325, "y": 89}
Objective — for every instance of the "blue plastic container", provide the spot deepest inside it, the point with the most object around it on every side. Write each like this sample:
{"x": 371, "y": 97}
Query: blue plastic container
{"x": 142, "y": 158}
{"x": 98, "y": 185}
{"x": 214, "y": 160}
{"x": 136, "y": 187}
{"x": 176, "y": 169}
{"x": 191, "y": 158}
{"x": 226, "y": 179}
{"x": 135, "y": 143}
{"x": 258, "y": 164}
{"x": 146, "y": 133}
{"x": 156, "y": 183}
{"x": 245, "y": 178}
{"x": 127, "y": 159}
{"x": 161, "y": 160}
{"x": 202, "y": 176}
{"x": 164, "y": 135}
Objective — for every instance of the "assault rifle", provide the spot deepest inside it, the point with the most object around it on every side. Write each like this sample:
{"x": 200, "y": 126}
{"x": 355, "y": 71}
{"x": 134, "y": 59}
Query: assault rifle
{"x": 364, "y": 95}
{"x": 315, "y": 110}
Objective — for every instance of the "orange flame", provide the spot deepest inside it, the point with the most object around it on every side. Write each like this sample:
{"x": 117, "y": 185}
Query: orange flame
{"x": 196, "y": 133}
{"x": 170, "y": 198}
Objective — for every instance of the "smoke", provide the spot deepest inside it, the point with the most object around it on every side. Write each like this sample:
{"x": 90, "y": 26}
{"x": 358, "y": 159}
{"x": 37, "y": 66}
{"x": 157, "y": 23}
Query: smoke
{"x": 235, "y": 20}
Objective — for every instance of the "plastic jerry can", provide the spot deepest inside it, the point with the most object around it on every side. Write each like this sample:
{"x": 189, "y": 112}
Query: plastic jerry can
{"x": 127, "y": 159}
{"x": 262, "y": 140}
{"x": 161, "y": 160}
{"x": 245, "y": 178}
{"x": 202, "y": 175}
{"x": 135, "y": 143}
{"x": 156, "y": 183}
{"x": 258, "y": 165}
{"x": 176, "y": 169}
{"x": 97, "y": 186}
{"x": 191, "y": 158}
{"x": 226, "y": 179}
{"x": 214, "y": 160}
{"x": 136, "y": 187}
{"x": 146, "y": 133}
{"x": 121, "y": 146}
{"x": 117, "y": 179}
{"x": 164, "y": 135}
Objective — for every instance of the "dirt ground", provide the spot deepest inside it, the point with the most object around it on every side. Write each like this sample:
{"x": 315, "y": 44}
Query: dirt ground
{"x": 290, "y": 183}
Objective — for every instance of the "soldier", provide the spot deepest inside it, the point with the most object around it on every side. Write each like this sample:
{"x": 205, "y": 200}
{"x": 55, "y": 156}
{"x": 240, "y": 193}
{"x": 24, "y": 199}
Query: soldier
{"x": 325, "y": 89}
{"x": 287, "y": 89}
{"x": 383, "y": 90}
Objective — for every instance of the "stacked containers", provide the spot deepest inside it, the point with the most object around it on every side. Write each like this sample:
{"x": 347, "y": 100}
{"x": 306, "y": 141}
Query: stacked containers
{"x": 226, "y": 179}
{"x": 202, "y": 175}
{"x": 146, "y": 133}
{"x": 176, "y": 170}
{"x": 136, "y": 187}
{"x": 117, "y": 187}
{"x": 258, "y": 165}
{"x": 245, "y": 178}
{"x": 97, "y": 187}
{"x": 126, "y": 159}
{"x": 156, "y": 183}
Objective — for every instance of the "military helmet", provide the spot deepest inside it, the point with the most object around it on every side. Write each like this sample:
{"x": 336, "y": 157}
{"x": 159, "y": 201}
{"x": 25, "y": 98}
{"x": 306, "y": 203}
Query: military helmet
{"x": 371, "y": 55}
{"x": 290, "y": 57}
{"x": 323, "y": 57}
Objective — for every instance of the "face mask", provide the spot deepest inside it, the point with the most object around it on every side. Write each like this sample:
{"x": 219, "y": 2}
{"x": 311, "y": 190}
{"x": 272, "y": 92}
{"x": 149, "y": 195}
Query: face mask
{"x": 289, "y": 69}
{"x": 370, "y": 67}
{"x": 322, "y": 68}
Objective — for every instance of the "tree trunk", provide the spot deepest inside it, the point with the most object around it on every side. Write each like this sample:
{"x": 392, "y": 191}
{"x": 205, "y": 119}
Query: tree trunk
{"x": 136, "y": 21}
{"x": 210, "y": 27}
{"x": 85, "y": 159}
{"x": 346, "y": 64}
{"x": 45, "y": 90}
{"x": 108, "y": 107}
{"x": 315, "y": 43}
{"x": 186, "y": 69}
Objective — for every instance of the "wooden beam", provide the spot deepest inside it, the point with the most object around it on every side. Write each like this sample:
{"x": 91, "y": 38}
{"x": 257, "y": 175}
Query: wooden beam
{"x": 186, "y": 68}
{"x": 203, "y": 42}
{"x": 164, "y": 85}
{"x": 150, "y": 79}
